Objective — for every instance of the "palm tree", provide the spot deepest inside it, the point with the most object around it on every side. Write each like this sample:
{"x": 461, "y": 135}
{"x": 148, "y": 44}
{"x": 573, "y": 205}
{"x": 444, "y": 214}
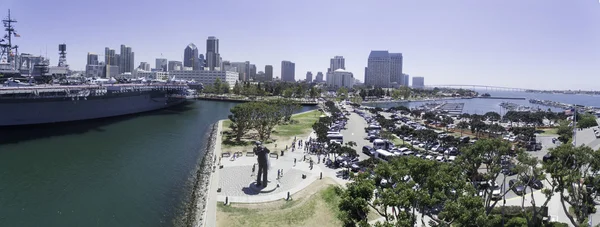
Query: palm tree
{"x": 462, "y": 126}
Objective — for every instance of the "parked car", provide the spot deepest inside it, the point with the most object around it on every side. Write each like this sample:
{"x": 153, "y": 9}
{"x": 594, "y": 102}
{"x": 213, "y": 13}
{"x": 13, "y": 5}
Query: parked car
{"x": 532, "y": 182}
{"x": 496, "y": 191}
{"x": 516, "y": 186}
{"x": 547, "y": 157}
{"x": 368, "y": 150}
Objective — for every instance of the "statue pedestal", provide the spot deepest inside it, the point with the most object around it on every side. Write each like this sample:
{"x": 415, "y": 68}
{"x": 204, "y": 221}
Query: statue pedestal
{"x": 271, "y": 186}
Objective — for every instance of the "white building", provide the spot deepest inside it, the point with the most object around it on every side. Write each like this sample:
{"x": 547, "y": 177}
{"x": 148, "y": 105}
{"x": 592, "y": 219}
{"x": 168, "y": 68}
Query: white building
{"x": 378, "y": 69}
{"x": 340, "y": 78}
{"x": 152, "y": 75}
{"x": 418, "y": 82}
{"x": 206, "y": 77}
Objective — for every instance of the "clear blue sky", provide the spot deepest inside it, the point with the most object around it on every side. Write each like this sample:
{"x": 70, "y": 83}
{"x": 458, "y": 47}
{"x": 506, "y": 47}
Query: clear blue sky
{"x": 548, "y": 44}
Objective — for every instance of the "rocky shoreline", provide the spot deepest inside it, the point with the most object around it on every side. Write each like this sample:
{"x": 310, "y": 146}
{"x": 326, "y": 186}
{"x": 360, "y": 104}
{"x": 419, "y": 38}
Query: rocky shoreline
{"x": 197, "y": 205}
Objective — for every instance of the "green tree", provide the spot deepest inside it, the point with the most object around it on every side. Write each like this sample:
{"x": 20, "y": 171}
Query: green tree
{"x": 287, "y": 93}
{"x": 489, "y": 152}
{"x": 462, "y": 126}
{"x": 565, "y": 131}
{"x": 218, "y": 86}
{"x": 286, "y": 107}
{"x": 586, "y": 121}
{"x": 492, "y": 116}
{"x": 237, "y": 88}
{"x": 267, "y": 117}
{"x": 242, "y": 119}
{"x": 569, "y": 170}
{"x": 342, "y": 93}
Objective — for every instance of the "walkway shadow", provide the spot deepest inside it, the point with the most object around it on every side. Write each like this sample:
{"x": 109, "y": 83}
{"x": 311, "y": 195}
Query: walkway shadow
{"x": 17, "y": 134}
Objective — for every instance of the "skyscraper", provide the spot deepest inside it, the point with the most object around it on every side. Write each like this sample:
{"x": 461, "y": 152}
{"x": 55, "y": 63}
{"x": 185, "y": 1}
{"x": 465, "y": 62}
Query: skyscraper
{"x": 201, "y": 62}
{"x": 288, "y": 71}
{"x": 319, "y": 77}
{"x": 396, "y": 68}
{"x": 418, "y": 82}
{"x": 253, "y": 71}
{"x": 126, "y": 61}
{"x": 213, "y": 59}
{"x": 337, "y": 62}
{"x": 309, "y": 76}
{"x": 109, "y": 57}
{"x": 405, "y": 79}
{"x": 161, "y": 64}
{"x": 190, "y": 57}
{"x": 144, "y": 66}
{"x": 92, "y": 59}
{"x": 175, "y": 65}
{"x": 378, "y": 69}
{"x": 268, "y": 72}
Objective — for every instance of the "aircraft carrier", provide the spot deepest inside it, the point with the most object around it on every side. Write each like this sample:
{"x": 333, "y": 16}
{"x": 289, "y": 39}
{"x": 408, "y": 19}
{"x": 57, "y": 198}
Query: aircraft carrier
{"x": 27, "y": 100}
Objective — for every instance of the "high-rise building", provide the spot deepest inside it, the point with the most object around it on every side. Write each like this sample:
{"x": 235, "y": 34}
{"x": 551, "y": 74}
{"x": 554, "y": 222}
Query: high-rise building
{"x": 109, "y": 57}
{"x": 126, "y": 62}
{"x": 253, "y": 71}
{"x": 418, "y": 82}
{"x": 144, "y": 66}
{"x": 175, "y": 65}
{"x": 201, "y": 62}
{"x": 190, "y": 56}
{"x": 309, "y": 77}
{"x": 396, "y": 68}
{"x": 243, "y": 69}
{"x": 319, "y": 77}
{"x": 161, "y": 64}
{"x": 337, "y": 62}
{"x": 213, "y": 58}
{"x": 378, "y": 69}
{"x": 288, "y": 71}
{"x": 340, "y": 78}
{"x": 92, "y": 59}
{"x": 268, "y": 72}
{"x": 405, "y": 79}
{"x": 117, "y": 63}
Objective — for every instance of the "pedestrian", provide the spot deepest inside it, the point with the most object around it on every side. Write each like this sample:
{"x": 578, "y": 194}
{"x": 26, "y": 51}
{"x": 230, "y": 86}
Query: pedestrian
{"x": 278, "y": 173}
{"x": 294, "y": 161}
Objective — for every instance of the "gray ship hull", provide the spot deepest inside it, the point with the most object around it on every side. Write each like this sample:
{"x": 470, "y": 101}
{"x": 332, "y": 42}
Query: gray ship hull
{"x": 41, "y": 111}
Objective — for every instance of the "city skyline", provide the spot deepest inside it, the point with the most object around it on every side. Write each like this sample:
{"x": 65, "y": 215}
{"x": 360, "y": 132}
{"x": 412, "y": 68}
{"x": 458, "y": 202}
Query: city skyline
{"x": 533, "y": 44}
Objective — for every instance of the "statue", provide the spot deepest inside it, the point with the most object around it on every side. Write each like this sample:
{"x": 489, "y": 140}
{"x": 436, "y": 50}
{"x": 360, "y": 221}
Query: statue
{"x": 262, "y": 155}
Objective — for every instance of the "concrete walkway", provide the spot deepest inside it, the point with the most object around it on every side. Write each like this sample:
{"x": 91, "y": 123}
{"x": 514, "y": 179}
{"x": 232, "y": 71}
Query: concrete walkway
{"x": 210, "y": 214}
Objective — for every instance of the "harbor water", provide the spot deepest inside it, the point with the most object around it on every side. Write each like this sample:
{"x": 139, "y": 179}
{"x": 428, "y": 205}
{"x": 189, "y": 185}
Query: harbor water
{"x": 123, "y": 171}
{"x": 481, "y": 106}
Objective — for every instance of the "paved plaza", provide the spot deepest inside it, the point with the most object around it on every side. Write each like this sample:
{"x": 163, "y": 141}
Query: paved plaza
{"x": 236, "y": 176}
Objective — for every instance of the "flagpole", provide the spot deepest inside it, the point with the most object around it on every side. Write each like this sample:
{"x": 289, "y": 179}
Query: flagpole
{"x": 575, "y": 127}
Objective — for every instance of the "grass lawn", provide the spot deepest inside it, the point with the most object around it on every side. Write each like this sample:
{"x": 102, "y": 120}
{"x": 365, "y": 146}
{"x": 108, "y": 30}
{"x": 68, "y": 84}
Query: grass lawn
{"x": 302, "y": 123}
{"x": 318, "y": 209}
{"x": 549, "y": 131}
{"x": 300, "y": 126}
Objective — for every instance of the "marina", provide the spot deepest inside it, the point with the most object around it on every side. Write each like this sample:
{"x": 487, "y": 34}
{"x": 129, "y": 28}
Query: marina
{"x": 566, "y": 106}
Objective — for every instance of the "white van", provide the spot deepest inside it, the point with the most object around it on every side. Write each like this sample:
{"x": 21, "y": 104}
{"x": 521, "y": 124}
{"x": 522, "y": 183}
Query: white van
{"x": 383, "y": 155}
{"x": 336, "y": 137}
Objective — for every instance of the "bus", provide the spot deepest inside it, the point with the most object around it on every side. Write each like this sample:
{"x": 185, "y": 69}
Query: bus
{"x": 382, "y": 144}
{"x": 336, "y": 137}
{"x": 383, "y": 155}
